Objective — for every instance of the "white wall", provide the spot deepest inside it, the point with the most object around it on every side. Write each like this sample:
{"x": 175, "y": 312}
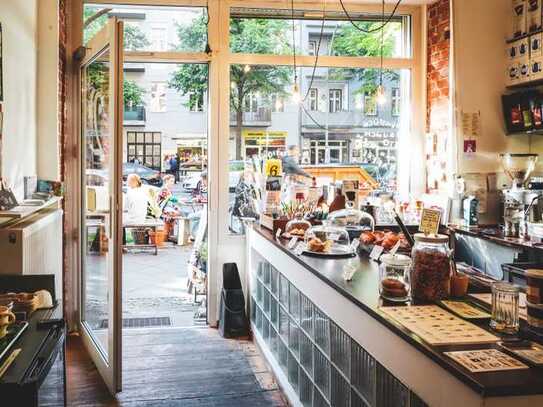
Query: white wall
{"x": 48, "y": 165}
{"x": 19, "y": 27}
{"x": 480, "y": 29}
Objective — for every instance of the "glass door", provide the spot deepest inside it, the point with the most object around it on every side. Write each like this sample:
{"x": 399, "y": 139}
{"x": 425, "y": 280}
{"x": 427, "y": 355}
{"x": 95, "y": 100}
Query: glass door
{"x": 101, "y": 201}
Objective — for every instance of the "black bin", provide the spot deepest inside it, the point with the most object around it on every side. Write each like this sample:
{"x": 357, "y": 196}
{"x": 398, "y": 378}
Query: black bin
{"x": 233, "y": 320}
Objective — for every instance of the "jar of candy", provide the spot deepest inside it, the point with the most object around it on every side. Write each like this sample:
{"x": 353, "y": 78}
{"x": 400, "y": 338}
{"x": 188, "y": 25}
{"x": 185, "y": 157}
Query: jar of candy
{"x": 431, "y": 270}
{"x": 394, "y": 277}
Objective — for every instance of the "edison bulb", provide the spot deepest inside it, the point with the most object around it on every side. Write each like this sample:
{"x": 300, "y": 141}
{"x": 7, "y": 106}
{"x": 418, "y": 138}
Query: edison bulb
{"x": 246, "y": 68}
{"x": 381, "y": 95}
{"x": 233, "y": 85}
{"x": 296, "y": 97}
{"x": 278, "y": 105}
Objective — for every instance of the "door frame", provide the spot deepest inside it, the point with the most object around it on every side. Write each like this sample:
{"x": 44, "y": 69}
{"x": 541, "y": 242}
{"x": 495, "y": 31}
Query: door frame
{"x": 109, "y": 38}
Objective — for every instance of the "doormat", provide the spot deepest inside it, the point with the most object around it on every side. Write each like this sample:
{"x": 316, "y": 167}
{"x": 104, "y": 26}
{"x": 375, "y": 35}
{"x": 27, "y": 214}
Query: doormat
{"x": 140, "y": 322}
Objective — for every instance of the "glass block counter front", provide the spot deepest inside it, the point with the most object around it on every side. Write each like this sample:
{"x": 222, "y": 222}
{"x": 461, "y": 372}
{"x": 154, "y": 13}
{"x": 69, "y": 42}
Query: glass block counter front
{"x": 323, "y": 364}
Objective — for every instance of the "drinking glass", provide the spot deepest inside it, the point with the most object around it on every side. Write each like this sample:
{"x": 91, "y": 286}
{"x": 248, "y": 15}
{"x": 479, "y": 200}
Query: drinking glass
{"x": 505, "y": 308}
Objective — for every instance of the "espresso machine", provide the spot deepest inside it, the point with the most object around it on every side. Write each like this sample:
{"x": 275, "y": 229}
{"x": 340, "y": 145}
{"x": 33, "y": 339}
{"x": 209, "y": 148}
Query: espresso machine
{"x": 521, "y": 205}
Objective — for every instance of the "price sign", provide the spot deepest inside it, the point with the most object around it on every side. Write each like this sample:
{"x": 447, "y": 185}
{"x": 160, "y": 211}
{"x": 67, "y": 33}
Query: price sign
{"x": 292, "y": 242}
{"x": 376, "y": 252}
{"x": 354, "y": 245}
{"x": 273, "y": 167}
{"x": 299, "y": 249}
{"x": 278, "y": 233}
{"x": 429, "y": 221}
{"x": 395, "y": 248}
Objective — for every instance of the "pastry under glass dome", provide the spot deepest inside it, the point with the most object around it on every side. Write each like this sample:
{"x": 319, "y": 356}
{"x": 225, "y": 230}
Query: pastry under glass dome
{"x": 297, "y": 227}
{"x": 328, "y": 240}
{"x": 353, "y": 220}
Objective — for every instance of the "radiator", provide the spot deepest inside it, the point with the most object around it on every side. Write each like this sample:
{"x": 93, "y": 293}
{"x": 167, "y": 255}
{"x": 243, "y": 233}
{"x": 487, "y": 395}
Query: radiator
{"x": 34, "y": 246}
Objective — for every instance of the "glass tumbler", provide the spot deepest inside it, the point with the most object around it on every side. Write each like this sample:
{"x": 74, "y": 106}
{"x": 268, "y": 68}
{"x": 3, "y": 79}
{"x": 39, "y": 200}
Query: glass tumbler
{"x": 505, "y": 308}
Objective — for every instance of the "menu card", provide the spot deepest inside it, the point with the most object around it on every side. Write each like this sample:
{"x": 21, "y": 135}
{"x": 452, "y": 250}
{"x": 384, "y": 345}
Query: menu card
{"x": 437, "y": 326}
{"x": 486, "y": 360}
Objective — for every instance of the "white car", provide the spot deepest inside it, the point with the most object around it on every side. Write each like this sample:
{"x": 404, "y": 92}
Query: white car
{"x": 235, "y": 170}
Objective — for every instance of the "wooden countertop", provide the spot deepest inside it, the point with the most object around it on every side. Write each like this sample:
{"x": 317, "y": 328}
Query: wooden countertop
{"x": 363, "y": 292}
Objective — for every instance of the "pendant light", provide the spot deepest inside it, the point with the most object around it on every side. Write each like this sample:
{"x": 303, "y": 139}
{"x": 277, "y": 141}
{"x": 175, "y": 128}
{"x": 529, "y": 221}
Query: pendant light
{"x": 380, "y": 95}
{"x": 296, "y": 96}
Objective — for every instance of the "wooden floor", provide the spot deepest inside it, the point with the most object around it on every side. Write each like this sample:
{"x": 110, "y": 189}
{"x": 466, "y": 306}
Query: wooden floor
{"x": 176, "y": 367}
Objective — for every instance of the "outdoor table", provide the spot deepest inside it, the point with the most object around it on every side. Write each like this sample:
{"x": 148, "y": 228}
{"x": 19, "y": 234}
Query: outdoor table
{"x": 152, "y": 224}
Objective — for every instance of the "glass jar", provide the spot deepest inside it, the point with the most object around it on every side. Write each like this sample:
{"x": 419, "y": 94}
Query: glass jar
{"x": 505, "y": 308}
{"x": 431, "y": 270}
{"x": 394, "y": 277}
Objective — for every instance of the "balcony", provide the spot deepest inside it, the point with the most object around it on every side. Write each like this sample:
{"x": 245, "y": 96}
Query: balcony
{"x": 134, "y": 116}
{"x": 349, "y": 119}
{"x": 260, "y": 118}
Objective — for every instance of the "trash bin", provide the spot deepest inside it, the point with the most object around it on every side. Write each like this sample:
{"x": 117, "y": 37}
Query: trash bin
{"x": 233, "y": 320}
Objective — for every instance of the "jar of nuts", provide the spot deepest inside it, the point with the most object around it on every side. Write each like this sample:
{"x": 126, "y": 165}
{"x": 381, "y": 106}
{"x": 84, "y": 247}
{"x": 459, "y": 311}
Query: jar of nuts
{"x": 394, "y": 277}
{"x": 431, "y": 270}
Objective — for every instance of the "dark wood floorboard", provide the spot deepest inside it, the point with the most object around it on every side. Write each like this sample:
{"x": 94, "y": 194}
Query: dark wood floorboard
{"x": 176, "y": 367}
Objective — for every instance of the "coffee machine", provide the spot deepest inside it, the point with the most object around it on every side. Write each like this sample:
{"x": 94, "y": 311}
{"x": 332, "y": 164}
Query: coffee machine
{"x": 521, "y": 205}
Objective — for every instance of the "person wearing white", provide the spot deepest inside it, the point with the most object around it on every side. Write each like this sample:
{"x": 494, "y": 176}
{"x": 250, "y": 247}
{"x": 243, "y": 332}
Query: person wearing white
{"x": 136, "y": 202}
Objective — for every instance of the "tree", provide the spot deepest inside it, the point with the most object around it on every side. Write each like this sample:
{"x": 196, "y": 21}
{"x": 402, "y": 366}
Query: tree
{"x": 132, "y": 94}
{"x": 256, "y": 36}
{"x": 350, "y": 41}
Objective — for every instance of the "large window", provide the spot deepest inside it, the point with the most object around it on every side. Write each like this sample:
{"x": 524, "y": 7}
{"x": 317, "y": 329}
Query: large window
{"x": 158, "y": 97}
{"x": 145, "y": 148}
{"x": 313, "y": 99}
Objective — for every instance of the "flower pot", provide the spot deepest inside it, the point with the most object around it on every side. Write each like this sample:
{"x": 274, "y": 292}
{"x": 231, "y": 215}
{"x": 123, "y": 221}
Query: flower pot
{"x": 158, "y": 237}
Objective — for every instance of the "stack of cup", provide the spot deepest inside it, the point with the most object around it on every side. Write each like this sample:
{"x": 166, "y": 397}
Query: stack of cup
{"x": 534, "y": 298}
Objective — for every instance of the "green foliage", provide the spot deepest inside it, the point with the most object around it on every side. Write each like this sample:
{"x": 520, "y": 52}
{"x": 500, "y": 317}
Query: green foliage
{"x": 133, "y": 94}
{"x": 351, "y": 42}
{"x": 134, "y": 38}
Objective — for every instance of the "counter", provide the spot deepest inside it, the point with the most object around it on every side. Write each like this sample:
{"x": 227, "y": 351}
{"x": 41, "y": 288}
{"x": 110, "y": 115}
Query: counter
{"x": 329, "y": 344}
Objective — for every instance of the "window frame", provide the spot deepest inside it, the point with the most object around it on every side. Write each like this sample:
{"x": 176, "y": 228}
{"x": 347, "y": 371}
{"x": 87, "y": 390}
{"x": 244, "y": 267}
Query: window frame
{"x": 335, "y": 100}
{"x": 314, "y": 99}
{"x": 222, "y": 245}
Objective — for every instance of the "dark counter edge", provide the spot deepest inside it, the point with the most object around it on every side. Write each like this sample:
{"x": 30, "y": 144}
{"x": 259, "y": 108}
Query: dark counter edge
{"x": 432, "y": 352}
{"x": 515, "y": 243}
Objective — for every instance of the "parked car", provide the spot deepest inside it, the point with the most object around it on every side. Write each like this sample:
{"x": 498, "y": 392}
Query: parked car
{"x": 148, "y": 175}
{"x": 235, "y": 171}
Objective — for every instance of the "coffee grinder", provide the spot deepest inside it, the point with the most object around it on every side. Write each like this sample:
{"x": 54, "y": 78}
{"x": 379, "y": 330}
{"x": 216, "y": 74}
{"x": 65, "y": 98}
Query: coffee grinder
{"x": 520, "y": 204}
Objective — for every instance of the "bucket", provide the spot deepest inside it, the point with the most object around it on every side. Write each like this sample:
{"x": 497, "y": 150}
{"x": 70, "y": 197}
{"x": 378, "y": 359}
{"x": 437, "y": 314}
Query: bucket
{"x": 158, "y": 237}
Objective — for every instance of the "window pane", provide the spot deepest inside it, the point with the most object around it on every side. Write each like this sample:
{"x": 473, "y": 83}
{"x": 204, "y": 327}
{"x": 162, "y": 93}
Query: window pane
{"x": 154, "y": 28}
{"x": 265, "y": 32}
{"x": 337, "y": 122}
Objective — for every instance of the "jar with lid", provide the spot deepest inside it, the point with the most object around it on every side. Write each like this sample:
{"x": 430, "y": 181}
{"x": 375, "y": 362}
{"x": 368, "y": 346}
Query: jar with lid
{"x": 431, "y": 269}
{"x": 394, "y": 277}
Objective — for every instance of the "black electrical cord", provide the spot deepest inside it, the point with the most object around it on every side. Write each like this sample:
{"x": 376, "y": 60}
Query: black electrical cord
{"x": 382, "y": 41}
{"x": 320, "y": 126}
{"x": 317, "y": 52}
{"x": 208, "y": 48}
{"x": 294, "y": 43}
{"x": 371, "y": 30}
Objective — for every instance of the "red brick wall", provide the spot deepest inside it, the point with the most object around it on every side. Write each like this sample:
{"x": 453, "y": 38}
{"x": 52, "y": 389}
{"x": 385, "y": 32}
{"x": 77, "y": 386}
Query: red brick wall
{"x": 437, "y": 81}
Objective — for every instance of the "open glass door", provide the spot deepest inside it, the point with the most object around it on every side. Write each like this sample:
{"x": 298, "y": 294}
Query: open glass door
{"x": 101, "y": 200}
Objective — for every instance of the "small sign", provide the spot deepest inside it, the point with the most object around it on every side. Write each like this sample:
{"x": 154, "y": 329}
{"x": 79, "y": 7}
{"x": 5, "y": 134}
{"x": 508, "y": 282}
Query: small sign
{"x": 429, "y": 221}
{"x": 349, "y": 270}
{"x": 299, "y": 249}
{"x": 278, "y": 233}
{"x": 292, "y": 242}
{"x": 354, "y": 245}
{"x": 376, "y": 252}
{"x": 273, "y": 167}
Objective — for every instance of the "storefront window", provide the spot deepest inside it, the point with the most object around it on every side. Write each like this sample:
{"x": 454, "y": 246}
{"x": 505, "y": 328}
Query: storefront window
{"x": 261, "y": 31}
{"x": 336, "y": 132}
{"x": 152, "y": 28}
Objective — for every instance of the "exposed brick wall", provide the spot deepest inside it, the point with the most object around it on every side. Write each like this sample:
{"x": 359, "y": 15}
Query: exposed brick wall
{"x": 438, "y": 101}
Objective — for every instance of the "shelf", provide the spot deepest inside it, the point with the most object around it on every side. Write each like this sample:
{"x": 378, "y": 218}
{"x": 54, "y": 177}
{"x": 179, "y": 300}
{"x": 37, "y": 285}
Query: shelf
{"x": 521, "y": 37}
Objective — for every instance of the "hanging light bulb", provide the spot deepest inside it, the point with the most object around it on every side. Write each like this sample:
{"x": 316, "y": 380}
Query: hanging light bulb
{"x": 380, "y": 95}
{"x": 296, "y": 97}
{"x": 278, "y": 105}
{"x": 233, "y": 85}
{"x": 246, "y": 68}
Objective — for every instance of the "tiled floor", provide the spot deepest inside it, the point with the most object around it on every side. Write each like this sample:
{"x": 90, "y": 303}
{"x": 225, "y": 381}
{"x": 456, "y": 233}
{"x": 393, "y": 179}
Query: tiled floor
{"x": 176, "y": 367}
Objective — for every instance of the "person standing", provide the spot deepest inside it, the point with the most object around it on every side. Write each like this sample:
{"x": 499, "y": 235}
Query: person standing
{"x": 290, "y": 163}
{"x": 166, "y": 165}
{"x": 174, "y": 168}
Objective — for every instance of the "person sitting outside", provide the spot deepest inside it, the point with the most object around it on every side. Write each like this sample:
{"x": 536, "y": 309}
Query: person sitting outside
{"x": 137, "y": 200}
